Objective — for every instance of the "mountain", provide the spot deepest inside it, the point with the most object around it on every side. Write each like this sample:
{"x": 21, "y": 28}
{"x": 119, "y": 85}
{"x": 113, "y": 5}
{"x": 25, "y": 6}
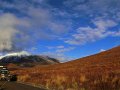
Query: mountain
{"x": 96, "y": 72}
{"x": 25, "y": 59}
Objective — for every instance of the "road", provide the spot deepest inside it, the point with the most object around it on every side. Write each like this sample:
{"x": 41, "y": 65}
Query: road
{"x": 17, "y": 86}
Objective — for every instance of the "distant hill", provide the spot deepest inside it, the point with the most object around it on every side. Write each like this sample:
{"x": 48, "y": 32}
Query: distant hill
{"x": 26, "y": 60}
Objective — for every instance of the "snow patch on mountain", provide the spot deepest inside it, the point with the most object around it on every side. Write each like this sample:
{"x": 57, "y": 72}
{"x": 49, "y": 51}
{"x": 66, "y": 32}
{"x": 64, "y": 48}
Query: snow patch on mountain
{"x": 19, "y": 54}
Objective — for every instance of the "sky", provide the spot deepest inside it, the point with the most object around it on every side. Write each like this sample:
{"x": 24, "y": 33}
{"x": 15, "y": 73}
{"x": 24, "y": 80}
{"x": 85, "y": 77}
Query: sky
{"x": 64, "y": 29}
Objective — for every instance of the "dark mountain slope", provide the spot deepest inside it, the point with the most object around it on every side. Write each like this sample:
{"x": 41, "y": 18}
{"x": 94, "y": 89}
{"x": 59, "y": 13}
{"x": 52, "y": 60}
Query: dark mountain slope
{"x": 30, "y": 60}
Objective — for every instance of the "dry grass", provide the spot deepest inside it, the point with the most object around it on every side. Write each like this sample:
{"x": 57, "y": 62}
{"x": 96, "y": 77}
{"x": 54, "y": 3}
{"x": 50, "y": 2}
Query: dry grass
{"x": 97, "y": 72}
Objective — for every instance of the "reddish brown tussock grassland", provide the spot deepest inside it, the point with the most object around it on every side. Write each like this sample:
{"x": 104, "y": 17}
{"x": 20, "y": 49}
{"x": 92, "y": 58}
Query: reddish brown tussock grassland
{"x": 96, "y": 72}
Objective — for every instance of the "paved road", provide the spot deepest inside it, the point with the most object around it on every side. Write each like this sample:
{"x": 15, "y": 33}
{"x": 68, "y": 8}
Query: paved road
{"x": 17, "y": 86}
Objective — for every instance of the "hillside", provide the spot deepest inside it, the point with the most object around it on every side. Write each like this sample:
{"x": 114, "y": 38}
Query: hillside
{"x": 97, "y": 72}
{"x": 106, "y": 58}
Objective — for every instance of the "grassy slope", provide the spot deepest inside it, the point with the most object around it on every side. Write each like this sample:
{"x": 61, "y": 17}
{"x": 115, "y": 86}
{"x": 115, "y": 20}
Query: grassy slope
{"x": 96, "y": 72}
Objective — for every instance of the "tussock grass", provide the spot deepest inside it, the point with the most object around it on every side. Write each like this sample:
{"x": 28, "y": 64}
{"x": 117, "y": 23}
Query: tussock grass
{"x": 96, "y": 72}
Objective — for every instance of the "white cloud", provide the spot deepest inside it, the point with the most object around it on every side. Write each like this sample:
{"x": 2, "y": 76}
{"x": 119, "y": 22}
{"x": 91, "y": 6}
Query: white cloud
{"x": 22, "y": 53}
{"x": 60, "y": 47}
{"x": 62, "y": 50}
{"x": 90, "y": 34}
{"x": 45, "y": 26}
{"x": 8, "y": 30}
{"x": 93, "y": 7}
{"x": 59, "y": 52}
{"x": 60, "y": 56}
{"x": 102, "y": 50}
{"x": 58, "y": 28}
{"x": 56, "y": 47}
{"x": 104, "y": 24}
{"x": 31, "y": 22}
{"x": 41, "y": 18}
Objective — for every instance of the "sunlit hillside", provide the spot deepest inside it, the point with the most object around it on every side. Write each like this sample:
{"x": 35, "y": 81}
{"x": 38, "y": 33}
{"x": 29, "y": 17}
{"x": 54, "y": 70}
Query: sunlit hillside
{"x": 96, "y": 72}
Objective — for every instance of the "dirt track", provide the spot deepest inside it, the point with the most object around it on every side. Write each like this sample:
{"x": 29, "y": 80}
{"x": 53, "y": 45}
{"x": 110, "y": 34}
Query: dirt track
{"x": 17, "y": 86}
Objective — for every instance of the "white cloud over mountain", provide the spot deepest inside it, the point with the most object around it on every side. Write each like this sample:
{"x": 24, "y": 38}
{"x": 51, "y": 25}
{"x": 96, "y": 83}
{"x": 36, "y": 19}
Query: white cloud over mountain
{"x": 22, "y": 53}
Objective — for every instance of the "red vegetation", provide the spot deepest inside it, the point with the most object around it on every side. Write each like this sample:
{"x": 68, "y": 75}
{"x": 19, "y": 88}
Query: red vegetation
{"x": 97, "y": 72}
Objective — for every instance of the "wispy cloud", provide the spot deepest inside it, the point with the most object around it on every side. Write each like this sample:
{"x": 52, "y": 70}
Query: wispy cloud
{"x": 29, "y": 21}
{"x": 91, "y": 34}
{"x": 59, "y": 52}
{"x": 93, "y": 7}
{"x": 60, "y": 56}
{"x": 62, "y": 50}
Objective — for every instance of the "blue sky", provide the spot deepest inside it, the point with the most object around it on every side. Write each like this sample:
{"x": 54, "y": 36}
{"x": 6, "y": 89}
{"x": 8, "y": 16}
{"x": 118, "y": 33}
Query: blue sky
{"x": 64, "y": 29}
